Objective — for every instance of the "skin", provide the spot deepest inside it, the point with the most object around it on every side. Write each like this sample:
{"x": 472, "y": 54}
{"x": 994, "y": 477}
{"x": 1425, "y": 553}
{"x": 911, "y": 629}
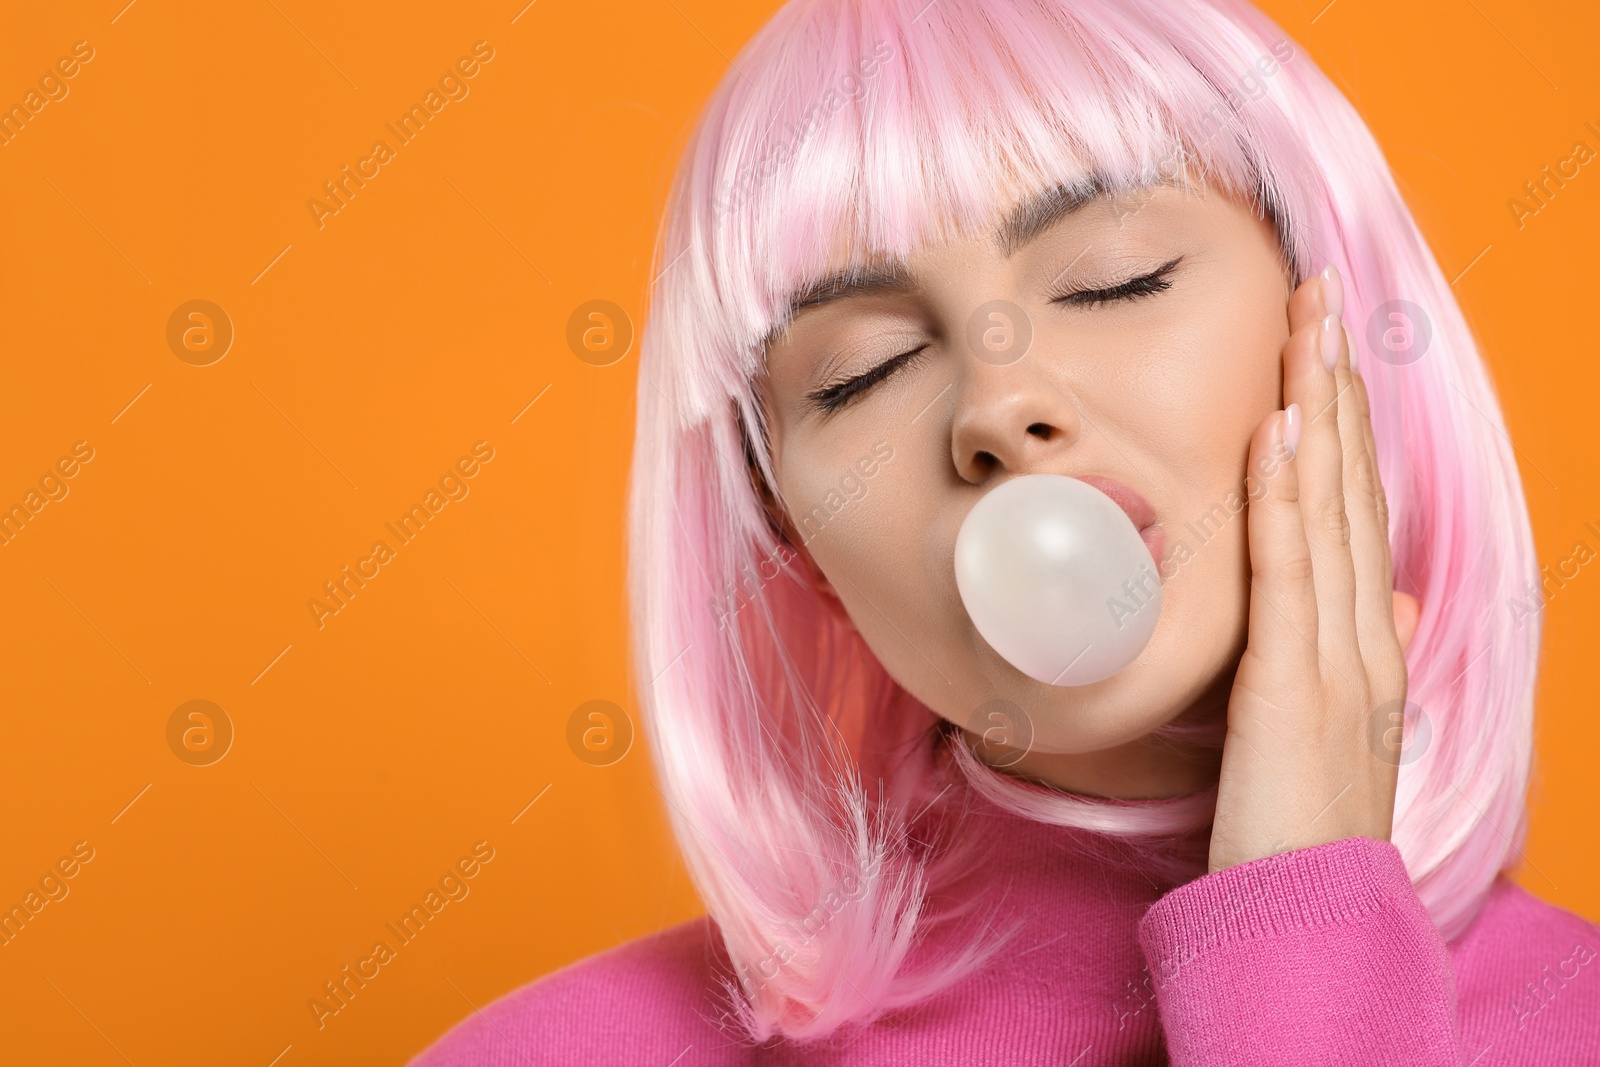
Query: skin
{"x": 1280, "y": 617}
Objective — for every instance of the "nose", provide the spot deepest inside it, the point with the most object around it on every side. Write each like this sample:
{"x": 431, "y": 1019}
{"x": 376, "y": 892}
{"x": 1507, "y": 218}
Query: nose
{"x": 1010, "y": 418}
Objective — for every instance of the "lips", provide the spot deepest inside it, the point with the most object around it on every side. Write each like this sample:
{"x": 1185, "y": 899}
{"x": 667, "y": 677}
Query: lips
{"x": 1136, "y": 507}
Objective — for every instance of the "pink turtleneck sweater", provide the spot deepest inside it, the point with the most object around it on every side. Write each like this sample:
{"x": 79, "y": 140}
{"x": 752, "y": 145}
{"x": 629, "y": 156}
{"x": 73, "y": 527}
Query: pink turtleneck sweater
{"x": 1319, "y": 955}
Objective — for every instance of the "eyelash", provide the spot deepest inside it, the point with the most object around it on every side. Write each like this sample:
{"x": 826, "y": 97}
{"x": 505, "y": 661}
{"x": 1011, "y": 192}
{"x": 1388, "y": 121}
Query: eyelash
{"x": 832, "y": 398}
{"x": 1144, "y": 285}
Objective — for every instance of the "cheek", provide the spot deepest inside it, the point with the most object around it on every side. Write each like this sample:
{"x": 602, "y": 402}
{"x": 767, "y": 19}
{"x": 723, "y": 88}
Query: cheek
{"x": 875, "y": 521}
{"x": 840, "y": 499}
{"x": 1218, "y": 376}
{"x": 1228, "y": 379}
{"x": 1208, "y": 386}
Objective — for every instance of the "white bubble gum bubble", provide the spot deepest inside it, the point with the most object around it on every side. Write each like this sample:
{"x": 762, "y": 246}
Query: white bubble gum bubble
{"x": 1057, "y": 579}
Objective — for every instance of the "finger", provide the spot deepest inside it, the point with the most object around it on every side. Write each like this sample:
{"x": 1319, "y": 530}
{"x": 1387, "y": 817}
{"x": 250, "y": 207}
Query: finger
{"x": 1283, "y": 599}
{"x": 1306, "y": 302}
{"x": 1320, "y": 463}
{"x": 1367, "y": 506}
{"x": 1381, "y": 497}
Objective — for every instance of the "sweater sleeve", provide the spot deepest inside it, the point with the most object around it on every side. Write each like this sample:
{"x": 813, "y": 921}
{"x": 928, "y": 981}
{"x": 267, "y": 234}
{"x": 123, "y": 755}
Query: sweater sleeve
{"x": 1316, "y": 955}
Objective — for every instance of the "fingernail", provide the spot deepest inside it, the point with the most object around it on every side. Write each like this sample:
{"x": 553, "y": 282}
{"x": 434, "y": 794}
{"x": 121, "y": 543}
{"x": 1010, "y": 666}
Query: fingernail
{"x": 1332, "y": 290}
{"x": 1350, "y": 339}
{"x": 1332, "y": 335}
{"x": 1291, "y": 428}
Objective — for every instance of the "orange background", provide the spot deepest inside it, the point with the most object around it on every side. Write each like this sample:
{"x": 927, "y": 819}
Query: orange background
{"x": 372, "y": 753}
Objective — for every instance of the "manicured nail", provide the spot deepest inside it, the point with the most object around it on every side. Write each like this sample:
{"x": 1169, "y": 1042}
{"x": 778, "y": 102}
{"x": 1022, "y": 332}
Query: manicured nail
{"x": 1332, "y": 290}
{"x": 1350, "y": 339}
{"x": 1291, "y": 428}
{"x": 1332, "y": 335}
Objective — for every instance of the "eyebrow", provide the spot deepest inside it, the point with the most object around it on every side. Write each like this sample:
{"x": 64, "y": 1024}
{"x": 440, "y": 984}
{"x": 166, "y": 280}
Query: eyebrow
{"x": 1043, "y": 210}
{"x": 888, "y": 276}
{"x": 1022, "y": 224}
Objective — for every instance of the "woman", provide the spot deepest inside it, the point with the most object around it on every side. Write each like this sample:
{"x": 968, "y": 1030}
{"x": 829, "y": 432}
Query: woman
{"x": 916, "y": 250}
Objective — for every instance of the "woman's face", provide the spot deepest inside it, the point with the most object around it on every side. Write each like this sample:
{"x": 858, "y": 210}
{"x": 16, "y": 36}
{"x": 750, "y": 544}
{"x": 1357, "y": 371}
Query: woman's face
{"x": 1159, "y": 391}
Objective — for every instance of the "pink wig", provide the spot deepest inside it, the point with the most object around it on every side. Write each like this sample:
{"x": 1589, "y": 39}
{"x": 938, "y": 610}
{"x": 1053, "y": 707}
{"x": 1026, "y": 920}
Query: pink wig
{"x": 793, "y": 766}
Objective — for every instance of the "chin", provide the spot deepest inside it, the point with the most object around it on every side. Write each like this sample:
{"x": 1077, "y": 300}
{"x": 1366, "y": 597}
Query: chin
{"x": 1153, "y": 690}
{"x": 1071, "y": 725}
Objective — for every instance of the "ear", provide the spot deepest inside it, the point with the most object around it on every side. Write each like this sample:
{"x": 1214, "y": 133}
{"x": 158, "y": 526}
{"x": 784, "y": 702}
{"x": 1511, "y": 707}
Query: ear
{"x": 1407, "y": 610}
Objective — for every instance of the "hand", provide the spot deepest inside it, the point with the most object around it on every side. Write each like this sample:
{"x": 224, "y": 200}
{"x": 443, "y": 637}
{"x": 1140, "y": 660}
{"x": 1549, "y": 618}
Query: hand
{"x": 1307, "y": 759}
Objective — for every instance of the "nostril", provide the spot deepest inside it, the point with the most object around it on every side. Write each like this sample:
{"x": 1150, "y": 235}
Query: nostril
{"x": 1040, "y": 429}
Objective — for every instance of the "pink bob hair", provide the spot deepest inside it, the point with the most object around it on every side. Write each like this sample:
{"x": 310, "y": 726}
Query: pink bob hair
{"x": 794, "y": 768}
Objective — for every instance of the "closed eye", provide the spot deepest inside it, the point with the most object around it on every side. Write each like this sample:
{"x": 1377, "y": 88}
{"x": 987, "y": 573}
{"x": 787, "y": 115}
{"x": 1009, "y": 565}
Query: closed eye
{"x": 831, "y": 398}
{"x": 837, "y": 395}
{"x": 1132, "y": 289}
